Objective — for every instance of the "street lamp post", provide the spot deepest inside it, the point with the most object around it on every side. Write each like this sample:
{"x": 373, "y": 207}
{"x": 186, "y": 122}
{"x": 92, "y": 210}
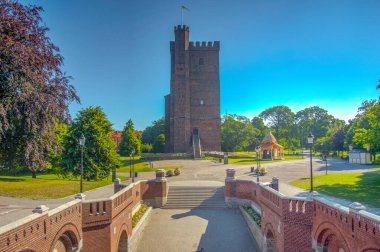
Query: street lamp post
{"x": 132, "y": 170}
{"x": 82, "y": 139}
{"x": 310, "y": 140}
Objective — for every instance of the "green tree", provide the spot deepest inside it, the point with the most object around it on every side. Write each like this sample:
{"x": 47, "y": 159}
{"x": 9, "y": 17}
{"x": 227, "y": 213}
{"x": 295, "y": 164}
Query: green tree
{"x": 34, "y": 92}
{"x": 55, "y": 155}
{"x": 315, "y": 120}
{"x": 159, "y": 144}
{"x": 238, "y": 134}
{"x": 280, "y": 119}
{"x": 151, "y": 132}
{"x": 129, "y": 140}
{"x": 99, "y": 155}
{"x": 258, "y": 123}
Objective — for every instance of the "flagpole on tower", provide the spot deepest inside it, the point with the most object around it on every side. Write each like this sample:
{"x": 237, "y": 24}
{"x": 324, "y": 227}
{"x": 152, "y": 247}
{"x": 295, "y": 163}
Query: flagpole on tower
{"x": 183, "y": 8}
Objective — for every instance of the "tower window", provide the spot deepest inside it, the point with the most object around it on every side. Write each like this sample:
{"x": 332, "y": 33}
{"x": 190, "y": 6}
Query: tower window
{"x": 201, "y": 61}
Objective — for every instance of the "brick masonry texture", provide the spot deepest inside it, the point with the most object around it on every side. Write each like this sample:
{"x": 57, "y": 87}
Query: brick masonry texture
{"x": 194, "y": 100}
{"x": 98, "y": 225}
{"x": 287, "y": 223}
{"x": 307, "y": 224}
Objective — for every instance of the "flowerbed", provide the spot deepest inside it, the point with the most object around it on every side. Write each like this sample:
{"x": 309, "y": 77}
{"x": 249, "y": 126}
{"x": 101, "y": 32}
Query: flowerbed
{"x": 255, "y": 217}
{"x": 139, "y": 214}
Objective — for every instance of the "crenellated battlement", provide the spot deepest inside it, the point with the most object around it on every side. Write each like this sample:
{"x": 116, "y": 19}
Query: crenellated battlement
{"x": 198, "y": 45}
{"x": 181, "y": 28}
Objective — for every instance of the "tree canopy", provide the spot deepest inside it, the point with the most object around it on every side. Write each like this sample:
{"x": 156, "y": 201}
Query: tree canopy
{"x": 153, "y": 131}
{"x": 99, "y": 154}
{"x": 280, "y": 119}
{"x": 34, "y": 92}
{"x": 238, "y": 134}
{"x": 129, "y": 140}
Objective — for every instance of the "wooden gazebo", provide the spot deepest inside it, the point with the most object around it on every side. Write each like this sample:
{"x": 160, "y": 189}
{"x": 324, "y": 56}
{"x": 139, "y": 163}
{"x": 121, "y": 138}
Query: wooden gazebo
{"x": 270, "y": 149}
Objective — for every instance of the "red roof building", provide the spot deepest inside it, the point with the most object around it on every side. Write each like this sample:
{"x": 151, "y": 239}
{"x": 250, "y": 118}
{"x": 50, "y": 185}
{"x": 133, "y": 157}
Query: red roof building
{"x": 270, "y": 148}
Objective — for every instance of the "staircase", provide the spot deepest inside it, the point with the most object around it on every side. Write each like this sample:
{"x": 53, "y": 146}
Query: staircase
{"x": 195, "y": 196}
{"x": 196, "y": 146}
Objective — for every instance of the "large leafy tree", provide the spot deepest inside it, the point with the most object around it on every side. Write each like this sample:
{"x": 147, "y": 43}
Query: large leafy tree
{"x": 153, "y": 131}
{"x": 258, "y": 123}
{"x": 129, "y": 141}
{"x": 34, "y": 92}
{"x": 99, "y": 155}
{"x": 280, "y": 119}
{"x": 238, "y": 134}
{"x": 315, "y": 120}
{"x": 159, "y": 144}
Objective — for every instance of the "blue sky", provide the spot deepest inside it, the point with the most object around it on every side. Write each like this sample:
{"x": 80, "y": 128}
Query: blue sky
{"x": 297, "y": 53}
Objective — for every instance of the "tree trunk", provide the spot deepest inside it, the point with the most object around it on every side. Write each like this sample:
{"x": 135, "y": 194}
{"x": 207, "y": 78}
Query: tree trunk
{"x": 34, "y": 174}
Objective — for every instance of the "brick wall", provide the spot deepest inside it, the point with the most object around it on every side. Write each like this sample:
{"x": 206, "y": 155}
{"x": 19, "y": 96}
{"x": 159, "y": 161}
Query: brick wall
{"x": 45, "y": 231}
{"x": 338, "y": 227}
{"x": 306, "y": 224}
{"x": 97, "y": 225}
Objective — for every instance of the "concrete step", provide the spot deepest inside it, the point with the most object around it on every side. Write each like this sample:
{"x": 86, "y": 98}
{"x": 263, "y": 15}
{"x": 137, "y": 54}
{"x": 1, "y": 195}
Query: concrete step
{"x": 195, "y": 196}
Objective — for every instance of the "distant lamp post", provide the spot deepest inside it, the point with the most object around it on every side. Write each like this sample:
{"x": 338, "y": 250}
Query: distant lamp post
{"x": 132, "y": 170}
{"x": 82, "y": 140}
{"x": 310, "y": 140}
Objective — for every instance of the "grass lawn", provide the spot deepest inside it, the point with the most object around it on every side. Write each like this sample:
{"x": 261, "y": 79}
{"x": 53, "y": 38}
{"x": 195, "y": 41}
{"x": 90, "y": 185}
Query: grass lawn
{"x": 141, "y": 166}
{"x": 247, "y": 161}
{"x": 360, "y": 187}
{"x": 47, "y": 186}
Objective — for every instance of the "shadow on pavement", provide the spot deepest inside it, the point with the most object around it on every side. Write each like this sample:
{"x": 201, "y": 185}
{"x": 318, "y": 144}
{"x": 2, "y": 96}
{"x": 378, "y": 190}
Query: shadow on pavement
{"x": 222, "y": 222}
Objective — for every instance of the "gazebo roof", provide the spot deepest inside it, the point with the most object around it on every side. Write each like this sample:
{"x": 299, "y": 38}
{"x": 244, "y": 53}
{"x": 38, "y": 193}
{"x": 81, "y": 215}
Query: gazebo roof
{"x": 269, "y": 142}
{"x": 269, "y": 138}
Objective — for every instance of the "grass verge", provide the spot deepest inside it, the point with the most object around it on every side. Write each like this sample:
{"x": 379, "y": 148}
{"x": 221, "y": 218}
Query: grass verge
{"x": 47, "y": 186}
{"x": 360, "y": 187}
{"x": 248, "y": 161}
{"x": 141, "y": 166}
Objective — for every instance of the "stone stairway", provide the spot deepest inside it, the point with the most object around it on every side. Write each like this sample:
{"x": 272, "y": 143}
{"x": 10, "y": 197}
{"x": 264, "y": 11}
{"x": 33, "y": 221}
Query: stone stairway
{"x": 195, "y": 196}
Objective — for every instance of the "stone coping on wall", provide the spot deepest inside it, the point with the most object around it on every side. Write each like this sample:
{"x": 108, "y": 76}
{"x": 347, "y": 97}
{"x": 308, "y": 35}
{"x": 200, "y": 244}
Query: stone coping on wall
{"x": 130, "y": 186}
{"x": 347, "y": 210}
{"x": 34, "y": 216}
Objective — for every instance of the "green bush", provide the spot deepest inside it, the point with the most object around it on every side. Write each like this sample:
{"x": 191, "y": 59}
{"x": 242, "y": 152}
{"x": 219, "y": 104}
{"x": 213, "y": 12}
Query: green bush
{"x": 263, "y": 171}
{"x": 255, "y": 217}
{"x": 177, "y": 171}
{"x": 139, "y": 214}
{"x": 169, "y": 173}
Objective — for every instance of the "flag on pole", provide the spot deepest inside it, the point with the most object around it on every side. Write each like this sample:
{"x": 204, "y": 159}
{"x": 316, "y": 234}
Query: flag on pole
{"x": 184, "y": 8}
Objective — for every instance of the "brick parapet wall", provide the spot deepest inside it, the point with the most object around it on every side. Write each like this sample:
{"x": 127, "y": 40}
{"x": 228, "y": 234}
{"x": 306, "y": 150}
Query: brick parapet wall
{"x": 349, "y": 229}
{"x": 306, "y": 224}
{"x": 288, "y": 219}
{"x": 40, "y": 232}
{"x": 93, "y": 225}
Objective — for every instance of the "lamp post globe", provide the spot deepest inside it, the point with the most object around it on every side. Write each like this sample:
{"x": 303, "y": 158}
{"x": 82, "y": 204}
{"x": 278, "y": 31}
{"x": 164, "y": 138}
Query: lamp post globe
{"x": 310, "y": 140}
{"x": 82, "y": 140}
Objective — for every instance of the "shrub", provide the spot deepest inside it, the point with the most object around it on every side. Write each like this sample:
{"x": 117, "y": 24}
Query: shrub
{"x": 139, "y": 214}
{"x": 255, "y": 217}
{"x": 177, "y": 171}
{"x": 169, "y": 173}
{"x": 263, "y": 171}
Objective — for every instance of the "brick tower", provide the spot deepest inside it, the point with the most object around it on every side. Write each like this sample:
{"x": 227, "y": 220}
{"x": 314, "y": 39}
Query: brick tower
{"x": 192, "y": 109}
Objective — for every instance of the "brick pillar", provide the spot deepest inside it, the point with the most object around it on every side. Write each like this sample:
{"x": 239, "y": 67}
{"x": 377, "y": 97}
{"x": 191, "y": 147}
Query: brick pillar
{"x": 230, "y": 188}
{"x": 230, "y": 174}
{"x": 274, "y": 183}
{"x": 161, "y": 185}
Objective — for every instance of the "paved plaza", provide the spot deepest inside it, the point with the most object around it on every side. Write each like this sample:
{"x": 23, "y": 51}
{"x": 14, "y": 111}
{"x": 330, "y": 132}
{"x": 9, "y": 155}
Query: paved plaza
{"x": 185, "y": 230}
{"x": 12, "y": 209}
